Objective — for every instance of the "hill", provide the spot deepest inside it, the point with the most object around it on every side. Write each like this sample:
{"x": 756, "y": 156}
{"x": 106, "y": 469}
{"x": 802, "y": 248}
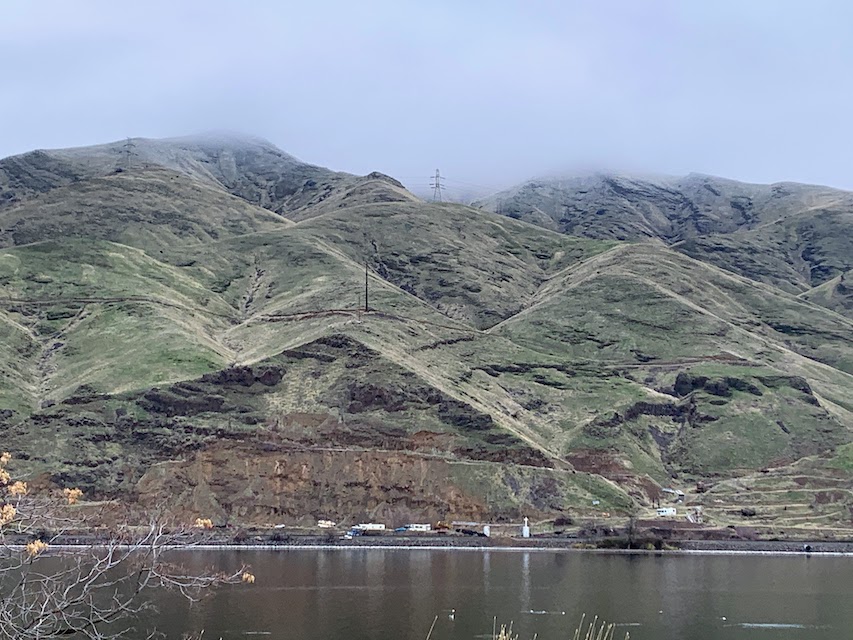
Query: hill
{"x": 835, "y": 294}
{"x": 795, "y": 254}
{"x": 789, "y": 235}
{"x": 250, "y": 168}
{"x": 182, "y": 329}
{"x": 668, "y": 208}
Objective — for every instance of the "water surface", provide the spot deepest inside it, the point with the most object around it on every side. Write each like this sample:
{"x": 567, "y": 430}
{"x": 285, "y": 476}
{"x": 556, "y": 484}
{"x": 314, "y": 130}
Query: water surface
{"x": 395, "y": 593}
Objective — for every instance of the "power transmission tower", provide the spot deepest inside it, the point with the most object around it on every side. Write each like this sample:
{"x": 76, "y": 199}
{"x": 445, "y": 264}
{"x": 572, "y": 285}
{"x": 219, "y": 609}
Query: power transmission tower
{"x": 437, "y": 186}
{"x": 128, "y": 152}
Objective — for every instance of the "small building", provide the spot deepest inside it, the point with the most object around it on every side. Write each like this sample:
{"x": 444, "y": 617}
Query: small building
{"x": 419, "y": 527}
{"x": 370, "y": 526}
{"x": 325, "y": 524}
{"x": 666, "y": 512}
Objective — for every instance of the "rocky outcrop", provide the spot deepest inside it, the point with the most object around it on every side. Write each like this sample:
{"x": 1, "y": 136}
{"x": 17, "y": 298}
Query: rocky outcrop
{"x": 686, "y": 383}
{"x": 251, "y": 484}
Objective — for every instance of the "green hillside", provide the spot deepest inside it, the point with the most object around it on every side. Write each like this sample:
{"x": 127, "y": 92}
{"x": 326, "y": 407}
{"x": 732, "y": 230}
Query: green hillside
{"x": 794, "y": 254}
{"x": 835, "y": 294}
{"x": 194, "y": 326}
{"x": 792, "y": 236}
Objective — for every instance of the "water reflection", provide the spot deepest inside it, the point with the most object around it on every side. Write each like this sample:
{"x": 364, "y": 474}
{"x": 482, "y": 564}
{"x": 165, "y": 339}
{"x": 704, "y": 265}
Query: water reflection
{"x": 378, "y": 594}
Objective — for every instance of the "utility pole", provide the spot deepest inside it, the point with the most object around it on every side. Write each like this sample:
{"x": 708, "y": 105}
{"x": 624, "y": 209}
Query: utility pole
{"x": 436, "y": 186}
{"x": 128, "y": 152}
{"x": 366, "y": 305}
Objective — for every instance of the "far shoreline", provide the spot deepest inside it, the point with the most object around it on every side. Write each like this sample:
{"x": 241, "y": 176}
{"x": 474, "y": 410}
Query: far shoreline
{"x": 502, "y": 544}
{"x": 515, "y": 549}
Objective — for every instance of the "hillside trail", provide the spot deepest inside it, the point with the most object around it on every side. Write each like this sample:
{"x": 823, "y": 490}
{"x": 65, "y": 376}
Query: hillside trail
{"x": 50, "y": 346}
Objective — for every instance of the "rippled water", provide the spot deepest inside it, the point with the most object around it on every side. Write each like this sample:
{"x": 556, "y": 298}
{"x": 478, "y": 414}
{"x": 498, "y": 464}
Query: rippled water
{"x": 394, "y": 593}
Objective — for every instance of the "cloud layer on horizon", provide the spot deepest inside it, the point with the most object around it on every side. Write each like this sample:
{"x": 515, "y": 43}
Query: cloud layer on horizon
{"x": 490, "y": 92}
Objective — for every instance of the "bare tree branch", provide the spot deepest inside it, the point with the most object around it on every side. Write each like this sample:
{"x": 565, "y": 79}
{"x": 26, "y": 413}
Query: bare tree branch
{"x": 96, "y": 591}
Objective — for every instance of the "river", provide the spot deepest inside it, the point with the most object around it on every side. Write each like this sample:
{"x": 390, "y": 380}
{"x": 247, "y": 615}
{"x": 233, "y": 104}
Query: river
{"x": 372, "y": 594}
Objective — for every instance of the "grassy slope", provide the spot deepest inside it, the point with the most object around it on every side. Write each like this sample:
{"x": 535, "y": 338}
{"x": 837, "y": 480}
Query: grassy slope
{"x": 795, "y": 253}
{"x": 243, "y": 296}
{"x": 835, "y": 294}
{"x": 634, "y": 316}
{"x": 212, "y": 281}
{"x": 18, "y": 349}
{"x": 250, "y": 168}
{"x": 109, "y": 316}
{"x": 471, "y": 266}
{"x": 149, "y": 208}
{"x": 666, "y": 208}
{"x": 632, "y": 302}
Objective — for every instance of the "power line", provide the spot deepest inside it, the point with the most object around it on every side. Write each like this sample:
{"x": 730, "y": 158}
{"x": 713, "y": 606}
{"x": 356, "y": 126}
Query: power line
{"x": 474, "y": 184}
{"x": 449, "y": 184}
{"x": 437, "y": 186}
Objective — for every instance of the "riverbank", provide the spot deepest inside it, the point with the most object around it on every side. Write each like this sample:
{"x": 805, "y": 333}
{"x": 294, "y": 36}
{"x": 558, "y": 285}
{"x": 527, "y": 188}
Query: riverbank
{"x": 426, "y": 541}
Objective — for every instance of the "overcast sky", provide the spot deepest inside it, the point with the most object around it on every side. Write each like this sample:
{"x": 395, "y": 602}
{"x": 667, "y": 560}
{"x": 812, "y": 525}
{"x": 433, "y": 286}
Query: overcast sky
{"x": 491, "y": 92}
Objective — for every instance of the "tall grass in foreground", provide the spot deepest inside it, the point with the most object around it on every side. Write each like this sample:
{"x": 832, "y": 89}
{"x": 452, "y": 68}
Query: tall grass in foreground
{"x": 595, "y": 630}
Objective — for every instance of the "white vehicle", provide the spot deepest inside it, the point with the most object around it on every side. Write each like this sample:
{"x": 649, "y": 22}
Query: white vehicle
{"x": 666, "y": 512}
{"x": 326, "y": 524}
{"x": 419, "y": 527}
{"x": 370, "y": 526}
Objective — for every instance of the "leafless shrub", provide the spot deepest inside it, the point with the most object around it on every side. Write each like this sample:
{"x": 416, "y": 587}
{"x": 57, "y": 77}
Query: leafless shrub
{"x": 95, "y": 590}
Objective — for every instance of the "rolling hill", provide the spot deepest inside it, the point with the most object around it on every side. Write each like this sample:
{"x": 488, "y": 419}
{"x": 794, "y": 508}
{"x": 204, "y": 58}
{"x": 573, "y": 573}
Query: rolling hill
{"x": 792, "y": 236}
{"x": 191, "y": 324}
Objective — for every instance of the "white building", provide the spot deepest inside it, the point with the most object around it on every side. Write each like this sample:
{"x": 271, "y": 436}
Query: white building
{"x": 325, "y": 524}
{"x": 666, "y": 512}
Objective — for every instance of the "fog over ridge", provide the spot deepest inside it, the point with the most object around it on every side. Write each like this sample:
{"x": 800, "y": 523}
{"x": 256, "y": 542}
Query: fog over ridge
{"x": 491, "y": 93}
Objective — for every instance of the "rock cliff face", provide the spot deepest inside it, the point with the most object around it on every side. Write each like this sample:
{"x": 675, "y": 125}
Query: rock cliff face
{"x": 251, "y": 484}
